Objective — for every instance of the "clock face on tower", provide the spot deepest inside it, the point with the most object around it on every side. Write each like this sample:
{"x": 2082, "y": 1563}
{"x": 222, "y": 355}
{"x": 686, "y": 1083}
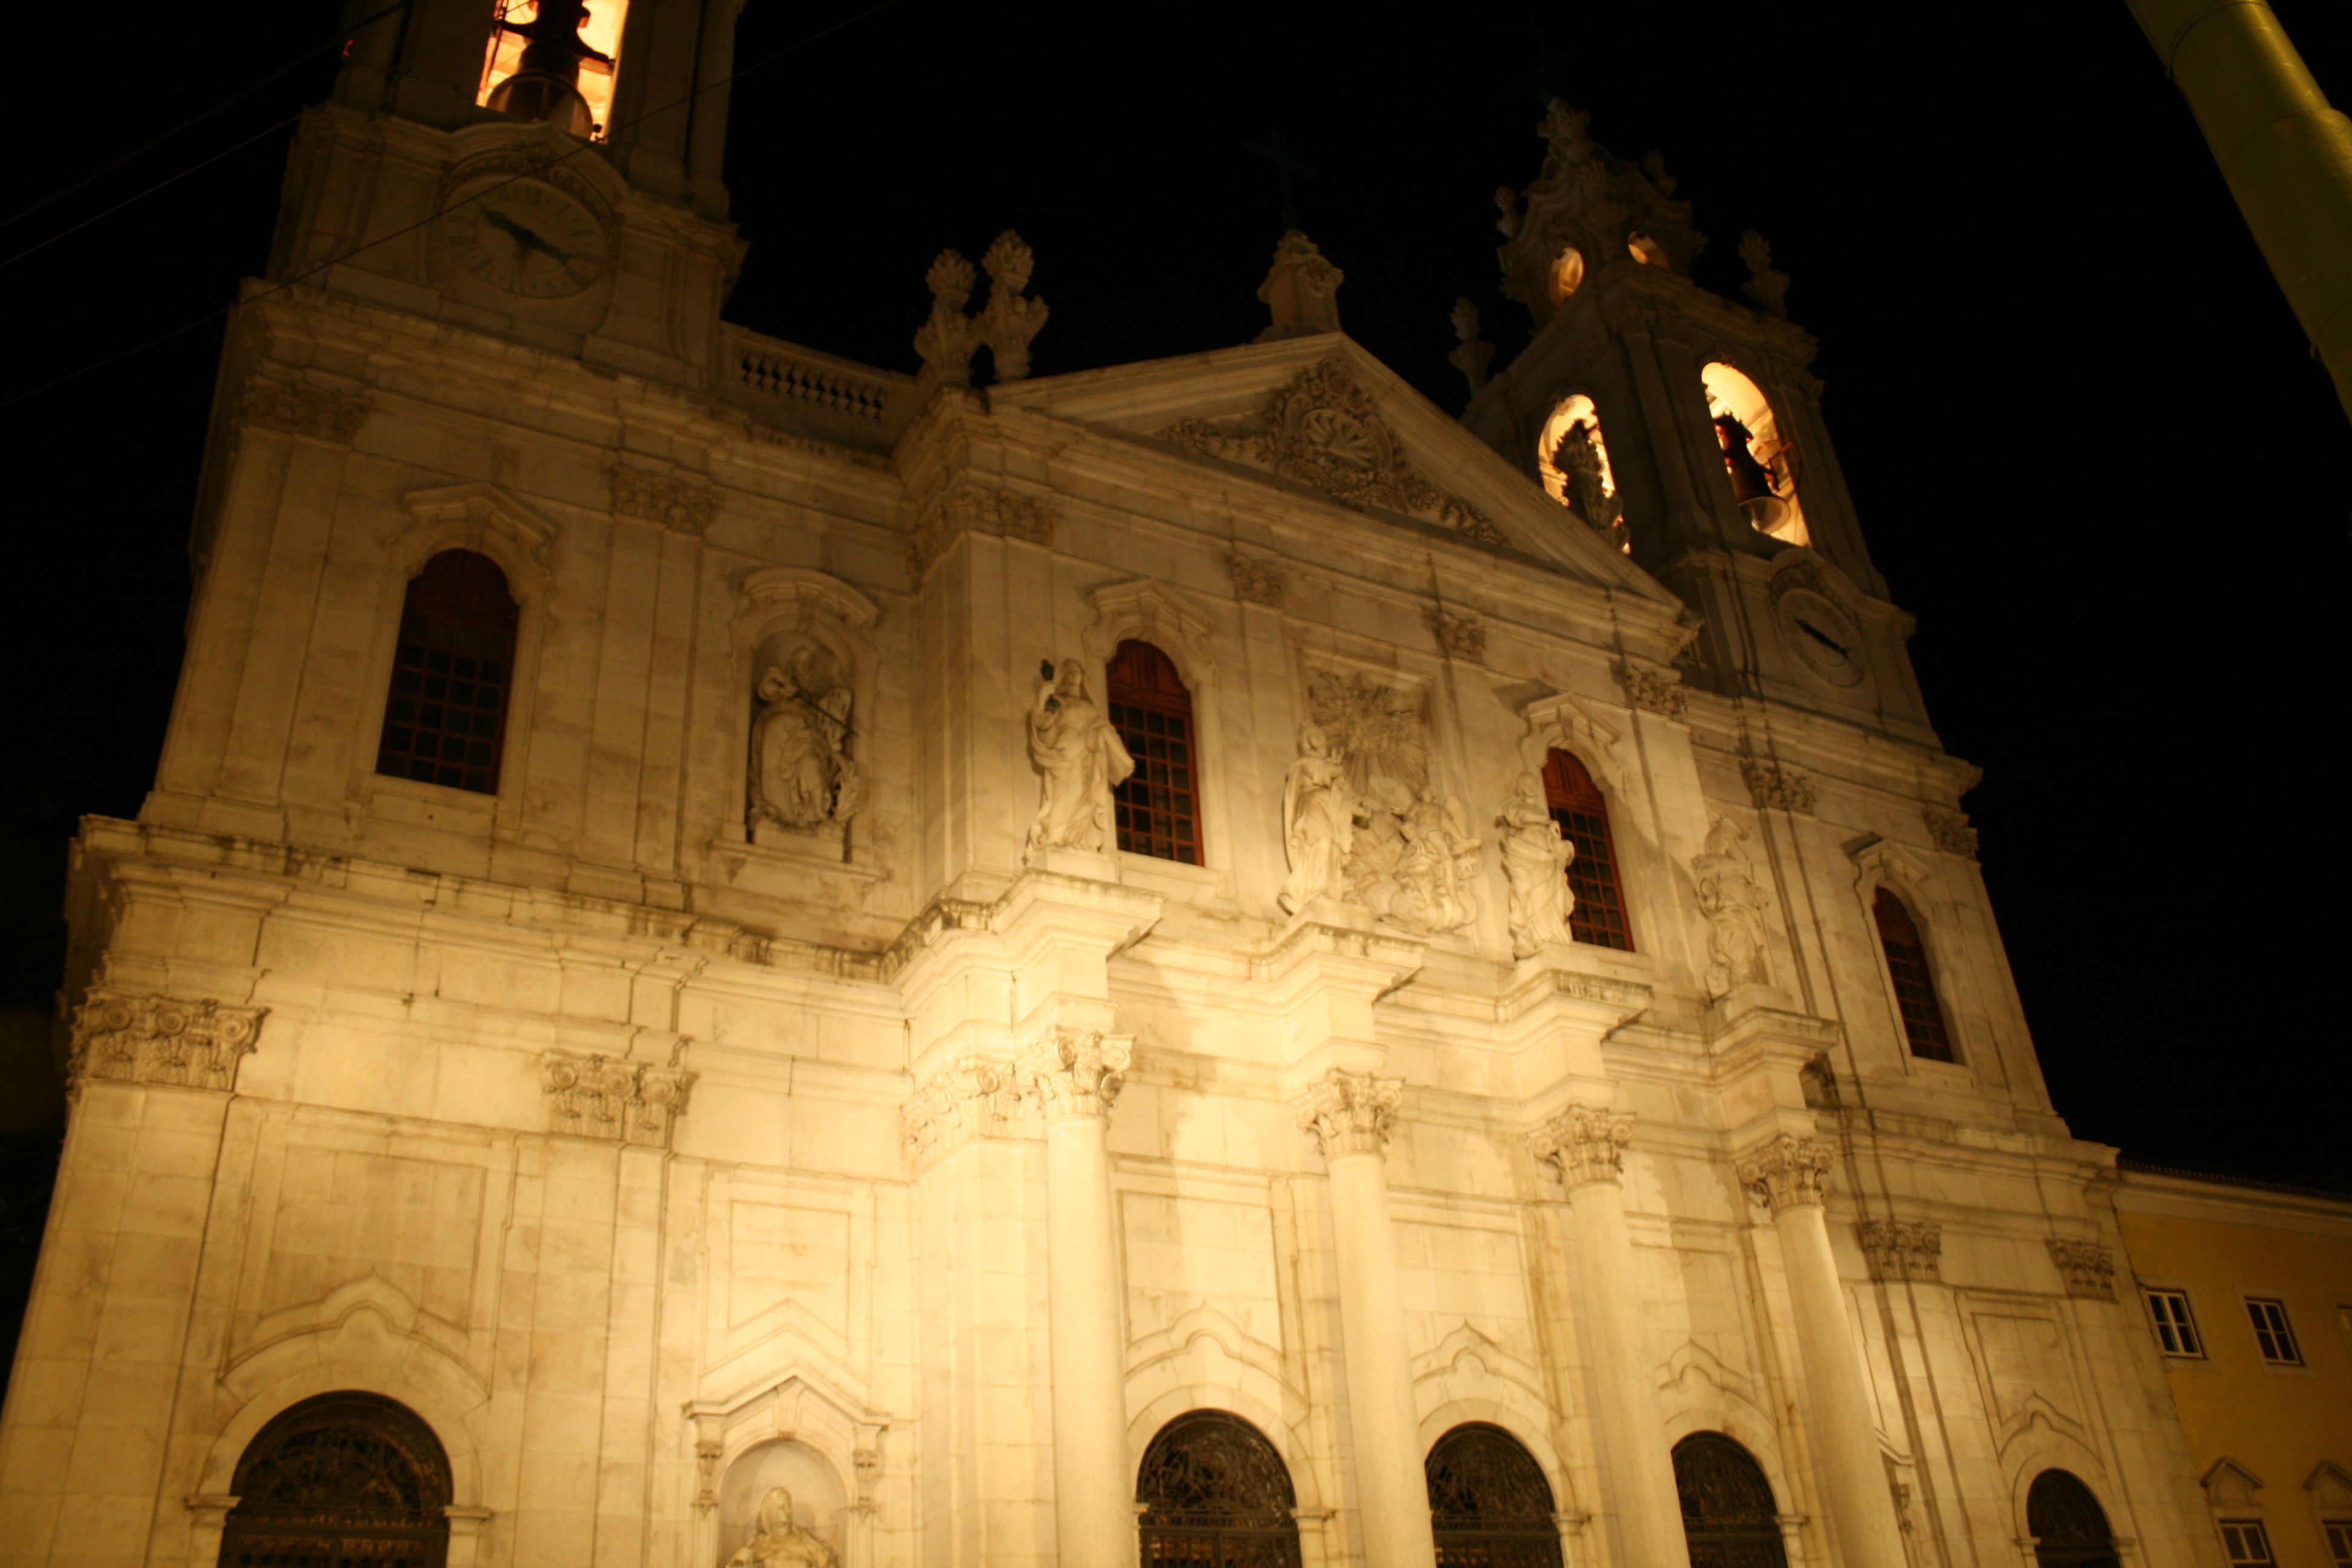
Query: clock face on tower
{"x": 526, "y": 239}
{"x": 1823, "y": 636}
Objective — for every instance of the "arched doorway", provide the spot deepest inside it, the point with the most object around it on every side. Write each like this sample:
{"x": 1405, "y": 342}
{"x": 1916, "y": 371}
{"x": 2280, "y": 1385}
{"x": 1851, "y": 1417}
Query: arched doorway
{"x": 2068, "y": 1526}
{"x": 340, "y": 1481}
{"x": 1728, "y": 1508}
{"x": 1489, "y": 1502}
{"x": 1215, "y": 1494}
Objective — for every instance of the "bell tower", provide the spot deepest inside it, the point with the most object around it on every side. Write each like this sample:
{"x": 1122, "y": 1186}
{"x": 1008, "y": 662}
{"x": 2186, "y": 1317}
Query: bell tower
{"x": 1686, "y": 429}
{"x": 545, "y": 172}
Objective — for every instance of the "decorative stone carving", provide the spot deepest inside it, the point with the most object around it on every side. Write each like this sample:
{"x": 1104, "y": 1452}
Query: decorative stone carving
{"x": 1079, "y": 759}
{"x": 1578, "y": 461}
{"x": 1462, "y": 636}
{"x": 974, "y": 1097}
{"x": 2088, "y": 1268}
{"x": 945, "y": 339}
{"x": 670, "y": 500}
{"x": 1300, "y": 291}
{"x": 1412, "y": 858}
{"x": 1583, "y": 1144}
{"x": 779, "y": 1541}
{"x": 972, "y": 508}
{"x": 1659, "y": 691}
{"x": 1005, "y": 326}
{"x": 1902, "y": 1248}
{"x": 1951, "y": 832}
{"x": 1255, "y": 581}
{"x": 1789, "y": 1171}
{"x": 161, "y": 1039}
{"x": 1776, "y": 787}
{"x": 707, "y": 1454}
{"x": 1768, "y": 288}
{"x": 628, "y": 1103}
{"x": 802, "y": 778}
{"x": 1590, "y": 202}
{"x": 1535, "y": 864}
{"x": 1317, "y": 823}
{"x": 1321, "y": 428}
{"x": 1075, "y": 1072}
{"x": 1474, "y": 353}
{"x": 298, "y": 409}
{"x": 1350, "y": 1112}
{"x": 1734, "y": 907}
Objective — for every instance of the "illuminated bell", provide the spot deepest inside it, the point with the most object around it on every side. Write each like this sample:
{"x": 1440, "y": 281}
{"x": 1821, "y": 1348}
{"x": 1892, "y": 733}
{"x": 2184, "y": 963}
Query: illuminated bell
{"x": 1751, "y": 486}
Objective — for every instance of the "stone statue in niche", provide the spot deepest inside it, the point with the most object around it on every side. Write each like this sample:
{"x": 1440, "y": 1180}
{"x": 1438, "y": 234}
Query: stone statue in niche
{"x": 1734, "y": 907}
{"x": 778, "y": 1542}
{"x": 1535, "y": 863}
{"x": 1317, "y": 823}
{"x": 1080, "y": 760}
{"x": 1578, "y": 461}
{"x": 803, "y": 780}
{"x": 1411, "y": 858}
{"x": 1435, "y": 884}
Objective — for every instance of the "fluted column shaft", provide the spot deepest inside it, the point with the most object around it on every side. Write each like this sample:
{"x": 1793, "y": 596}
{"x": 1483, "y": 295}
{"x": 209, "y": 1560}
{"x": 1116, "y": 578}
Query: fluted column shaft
{"x": 1586, "y": 1147}
{"x": 1349, "y": 1114}
{"x": 1789, "y": 1172}
{"x": 1075, "y": 1075}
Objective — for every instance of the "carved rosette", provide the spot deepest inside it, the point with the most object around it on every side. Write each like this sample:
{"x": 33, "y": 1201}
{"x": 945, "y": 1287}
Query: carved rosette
{"x": 1951, "y": 832}
{"x": 1075, "y": 1072}
{"x": 1789, "y": 1171}
{"x": 975, "y": 1098}
{"x": 1659, "y": 691}
{"x": 1462, "y": 636}
{"x": 161, "y": 1039}
{"x": 670, "y": 500}
{"x": 974, "y": 508}
{"x": 1256, "y": 582}
{"x": 634, "y": 1103}
{"x": 297, "y": 408}
{"x": 2088, "y": 1268}
{"x": 1350, "y": 1112}
{"x": 1583, "y": 1144}
{"x": 1902, "y": 1248}
{"x": 1773, "y": 786}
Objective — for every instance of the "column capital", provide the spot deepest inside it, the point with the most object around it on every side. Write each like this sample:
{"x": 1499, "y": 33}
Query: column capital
{"x": 1583, "y": 1144}
{"x": 975, "y": 1097}
{"x": 1350, "y": 1112}
{"x": 1074, "y": 1072}
{"x": 138, "y": 1039}
{"x": 1789, "y": 1171}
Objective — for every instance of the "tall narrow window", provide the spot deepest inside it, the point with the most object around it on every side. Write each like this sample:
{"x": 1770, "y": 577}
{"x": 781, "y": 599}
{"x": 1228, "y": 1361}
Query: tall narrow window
{"x": 2271, "y": 1332}
{"x": 445, "y": 722}
{"x": 554, "y": 61}
{"x": 1213, "y": 1493}
{"x": 2176, "y": 1331}
{"x": 1489, "y": 1501}
{"x": 2247, "y": 1542}
{"x": 1159, "y": 807}
{"x": 341, "y": 1479}
{"x": 1760, "y": 461}
{"x": 1729, "y": 1516}
{"x": 2068, "y": 1526}
{"x": 1578, "y": 806}
{"x": 1914, "y": 985}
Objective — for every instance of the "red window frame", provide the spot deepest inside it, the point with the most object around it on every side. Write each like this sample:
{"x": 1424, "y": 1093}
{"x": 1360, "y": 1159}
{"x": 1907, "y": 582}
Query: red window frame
{"x": 1158, "y": 809}
{"x": 452, "y": 675}
{"x": 1914, "y": 981}
{"x": 1577, "y": 804}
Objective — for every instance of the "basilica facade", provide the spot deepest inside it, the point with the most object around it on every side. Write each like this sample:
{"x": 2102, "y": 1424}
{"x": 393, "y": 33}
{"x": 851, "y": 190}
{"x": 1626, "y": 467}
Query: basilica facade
{"x": 738, "y": 958}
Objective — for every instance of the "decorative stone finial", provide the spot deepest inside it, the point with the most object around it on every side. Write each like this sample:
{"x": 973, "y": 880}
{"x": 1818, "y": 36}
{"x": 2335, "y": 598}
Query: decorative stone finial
{"x": 1583, "y": 1144}
{"x": 1789, "y": 1171}
{"x": 1350, "y": 1112}
{"x": 945, "y": 340}
{"x": 1475, "y": 353}
{"x": 1768, "y": 288}
{"x": 1010, "y": 319}
{"x": 1300, "y": 290}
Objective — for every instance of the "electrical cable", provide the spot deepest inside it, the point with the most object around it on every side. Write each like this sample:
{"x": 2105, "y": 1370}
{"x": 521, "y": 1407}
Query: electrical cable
{"x": 68, "y": 233}
{"x": 192, "y": 323}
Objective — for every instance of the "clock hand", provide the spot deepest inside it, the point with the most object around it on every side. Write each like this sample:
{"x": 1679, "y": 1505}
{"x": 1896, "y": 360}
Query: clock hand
{"x": 1823, "y": 638}
{"x": 525, "y": 237}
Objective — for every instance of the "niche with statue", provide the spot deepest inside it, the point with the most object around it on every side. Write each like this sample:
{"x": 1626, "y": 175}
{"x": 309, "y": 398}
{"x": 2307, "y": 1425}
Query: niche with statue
{"x": 780, "y": 1506}
{"x": 805, "y": 785}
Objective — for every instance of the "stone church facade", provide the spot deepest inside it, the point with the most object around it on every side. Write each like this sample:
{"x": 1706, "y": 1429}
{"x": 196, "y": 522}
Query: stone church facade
{"x": 737, "y": 957}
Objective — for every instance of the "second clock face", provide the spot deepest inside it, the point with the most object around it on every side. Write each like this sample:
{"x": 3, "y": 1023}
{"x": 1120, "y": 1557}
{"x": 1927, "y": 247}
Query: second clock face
{"x": 526, "y": 239}
{"x": 1824, "y": 636}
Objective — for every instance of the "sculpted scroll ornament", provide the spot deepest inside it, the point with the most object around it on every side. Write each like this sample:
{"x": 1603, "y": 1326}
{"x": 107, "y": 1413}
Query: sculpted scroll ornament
{"x": 1535, "y": 863}
{"x": 161, "y": 1039}
{"x": 1350, "y": 1112}
{"x": 973, "y": 509}
{"x": 1789, "y": 1171}
{"x": 1951, "y": 832}
{"x": 685, "y": 504}
{"x": 1463, "y": 637}
{"x": 1255, "y": 581}
{"x": 1771, "y": 785}
{"x": 1659, "y": 691}
{"x": 974, "y": 1098}
{"x": 1075, "y": 1072}
{"x": 1902, "y": 1249}
{"x": 298, "y": 409}
{"x": 634, "y": 1103}
{"x": 1079, "y": 759}
{"x": 1734, "y": 907}
{"x": 2088, "y": 1268}
{"x": 1583, "y": 1144}
{"x": 802, "y": 779}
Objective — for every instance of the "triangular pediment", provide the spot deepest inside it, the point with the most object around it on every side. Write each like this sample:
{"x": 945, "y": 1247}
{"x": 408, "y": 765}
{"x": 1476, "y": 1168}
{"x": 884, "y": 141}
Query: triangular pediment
{"x": 1320, "y": 415}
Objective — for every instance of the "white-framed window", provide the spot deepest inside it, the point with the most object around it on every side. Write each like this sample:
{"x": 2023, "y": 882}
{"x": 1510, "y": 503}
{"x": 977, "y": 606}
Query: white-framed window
{"x": 2268, "y": 1315}
{"x": 2248, "y": 1544}
{"x": 2176, "y": 1327}
{"x": 2340, "y": 1541}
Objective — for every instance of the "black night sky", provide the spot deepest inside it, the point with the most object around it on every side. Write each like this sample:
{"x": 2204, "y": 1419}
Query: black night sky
{"x": 2090, "y": 448}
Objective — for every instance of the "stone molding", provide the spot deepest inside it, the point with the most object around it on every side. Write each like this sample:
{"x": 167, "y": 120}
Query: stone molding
{"x": 674, "y": 501}
{"x": 1460, "y": 636}
{"x": 1789, "y": 1171}
{"x": 1902, "y": 1248}
{"x": 298, "y": 409}
{"x": 974, "y": 1097}
{"x": 1350, "y": 1112}
{"x": 1583, "y": 1144}
{"x": 134, "y": 1038}
{"x": 1951, "y": 832}
{"x": 634, "y": 1103}
{"x": 1659, "y": 691}
{"x": 968, "y": 508}
{"x": 2087, "y": 1266}
{"x": 1075, "y": 1072}
{"x": 1769, "y": 785}
{"x": 1257, "y": 581}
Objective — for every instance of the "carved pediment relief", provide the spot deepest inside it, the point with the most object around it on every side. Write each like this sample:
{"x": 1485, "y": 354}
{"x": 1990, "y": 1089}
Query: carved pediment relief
{"x": 1322, "y": 428}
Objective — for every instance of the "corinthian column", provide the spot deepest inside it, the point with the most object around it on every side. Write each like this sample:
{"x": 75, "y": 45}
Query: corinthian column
{"x": 1587, "y": 1149}
{"x": 1076, "y": 1074}
{"x": 1350, "y": 1112}
{"x": 1790, "y": 1172}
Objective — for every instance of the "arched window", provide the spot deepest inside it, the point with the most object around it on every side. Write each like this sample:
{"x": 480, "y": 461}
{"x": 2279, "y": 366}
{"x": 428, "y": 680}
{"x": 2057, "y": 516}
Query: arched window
{"x": 530, "y": 86}
{"x": 1214, "y": 1494}
{"x": 1761, "y": 461}
{"x": 1577, "y": 804}
{"x": 2068, "y": 1526}
{"x": 451, "y": 676}
{"x": 1572, "y": 461}
{"x": 1914, "y": 985}
{"x": 1489, "y": 1502}
{"x": 1727, "y": 1509}
{"x": 1159, "y": 806}
{"x": 340, "y": 1479}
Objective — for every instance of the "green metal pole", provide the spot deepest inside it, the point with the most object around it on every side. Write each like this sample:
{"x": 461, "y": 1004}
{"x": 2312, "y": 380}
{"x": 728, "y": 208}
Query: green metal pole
{"x": 2287, "y": 156}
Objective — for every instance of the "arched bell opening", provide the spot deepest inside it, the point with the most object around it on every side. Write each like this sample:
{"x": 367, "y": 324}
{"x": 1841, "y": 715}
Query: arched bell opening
{"x": 1572, "y": 462}
{"x": 1566, "y": 275}
{"x": 1760, "y": 460}
{"x": 339, "y": 1478}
